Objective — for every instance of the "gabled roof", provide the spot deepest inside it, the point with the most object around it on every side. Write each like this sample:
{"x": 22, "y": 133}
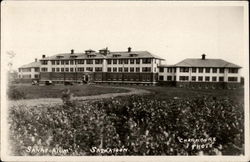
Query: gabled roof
{"x": 126, "y": 54}
{"x": 206, "y": 63}
{"x": 30, "y": 65}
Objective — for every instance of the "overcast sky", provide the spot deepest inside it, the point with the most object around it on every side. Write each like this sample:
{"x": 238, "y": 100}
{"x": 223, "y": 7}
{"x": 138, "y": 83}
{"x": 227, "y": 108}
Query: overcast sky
{"x": 171, "y": 31}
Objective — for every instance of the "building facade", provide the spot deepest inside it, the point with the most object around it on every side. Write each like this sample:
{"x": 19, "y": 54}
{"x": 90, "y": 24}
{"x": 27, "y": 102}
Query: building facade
{"x": 131, "y": 67}
{"x": 30, "y": 72}
{"x": 104, "y": 66}
{"x": 204, "y": 73}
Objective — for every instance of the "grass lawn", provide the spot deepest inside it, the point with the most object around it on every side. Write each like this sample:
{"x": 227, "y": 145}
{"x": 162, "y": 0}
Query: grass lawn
{"x": 33, "y": 92}
{"x": 162, "y": 92}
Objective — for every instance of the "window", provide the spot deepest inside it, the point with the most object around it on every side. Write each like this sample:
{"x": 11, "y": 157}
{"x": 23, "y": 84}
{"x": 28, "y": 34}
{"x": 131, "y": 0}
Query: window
{"x": 137, "y": 61}
{"x": 115, "y": 61}
{"x": 174, "y": 78}
{"x": 53, "y": 69}
{"x": 62, "y": 69}
{"x": 71, "y": 69}
{"x": 114, "y": 69}
{"x": 58, "y": 62}
{"x": 89, "y": 61}
{"x": 221, "y": 70}
{"x": 66, "y": 62}
{"x": 125, "y": 61}
{"x": 98, "y": 69}
{"x": 44, "y": 62}
{"x": 109, "y": 69}
{"x": 71, "y": 62}
{"x": 44, "y": 69}
{"x": 120, "y": 69}
{"x": 169, "y": 78}
{"x": 221, "y": 79}
{"x": 207, "y": 78}
{"x": 89, "y": 68}
{"x": 57, "y": 69}
{"x": 183, "y": 78}
{"x": 98, "y": 61}
{"x": 132, "y": 61}
{"x": 193, "y": 70}
{"x": 214, "y": 70}
{"x": 26, "y": 70}
{"x": 207, "y": 70}
{"x": 132, "y": 69}
{"x": 137, "y": 69}
{"x": 232, "y": 70}
{"x": 37, "y": 69}
{"x": 146, "y": 61}
{"x": 161, "y": 77}
{"x": 80, "y": 61}
{"x": 184, "y": 69}
{"x": 66, "y": 69}
{"x": 169, "y": 70}
{"x": 125, "y": 69}
{"x": 200, "y": 70}
{"x": 194, "y": 78}
{"x": 214, "y": 79}
{"x": 161, "y": 69}
{"x": 146, "y": 69}
{"x": 232, "y": 79}
{"x": 200, "y": 78}
{"x": 120, "y": 61}
{"x": 53, "y": 62}
{"x": 62, "y": 62}
{"x": 81, "y": 69}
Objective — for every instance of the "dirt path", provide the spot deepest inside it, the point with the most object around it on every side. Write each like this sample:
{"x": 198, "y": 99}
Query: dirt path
{"x": 51, "y": 101}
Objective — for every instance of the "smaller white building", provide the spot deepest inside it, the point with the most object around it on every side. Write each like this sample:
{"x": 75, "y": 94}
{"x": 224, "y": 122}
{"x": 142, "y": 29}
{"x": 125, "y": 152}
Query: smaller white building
{"x": 197, "y": 71}
{"x": 29, "y": 72}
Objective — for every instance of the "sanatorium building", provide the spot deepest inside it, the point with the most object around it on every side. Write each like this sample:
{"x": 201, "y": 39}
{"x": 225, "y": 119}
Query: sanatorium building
{"x": 130, "y": 67}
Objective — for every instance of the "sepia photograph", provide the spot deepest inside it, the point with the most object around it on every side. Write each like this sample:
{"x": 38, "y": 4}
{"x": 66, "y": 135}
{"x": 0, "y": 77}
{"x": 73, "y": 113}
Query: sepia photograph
{"x": 124, "y": 81}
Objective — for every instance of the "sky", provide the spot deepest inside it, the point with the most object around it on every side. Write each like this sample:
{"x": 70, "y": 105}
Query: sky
{"x": 173, "y": 31}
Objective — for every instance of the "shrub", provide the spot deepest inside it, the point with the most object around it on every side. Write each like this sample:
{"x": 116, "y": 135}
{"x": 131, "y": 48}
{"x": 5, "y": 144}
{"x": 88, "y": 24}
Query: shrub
{"x": 142, "y": 124}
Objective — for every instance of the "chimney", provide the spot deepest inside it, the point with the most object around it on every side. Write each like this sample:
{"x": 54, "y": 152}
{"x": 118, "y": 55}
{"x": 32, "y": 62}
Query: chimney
{"x": 35, "y": 59}
{"x": 129, "y": 49}
{"x": 203, "y": 57}
{"x": 43, "y": 56}
{"x": 72, "y": 51}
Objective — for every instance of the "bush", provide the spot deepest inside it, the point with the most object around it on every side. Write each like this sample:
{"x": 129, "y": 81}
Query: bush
{"x": 144, "y": 125}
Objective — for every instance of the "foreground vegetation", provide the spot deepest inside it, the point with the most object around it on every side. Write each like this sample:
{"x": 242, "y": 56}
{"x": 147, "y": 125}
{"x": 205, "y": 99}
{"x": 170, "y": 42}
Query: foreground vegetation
{"x": 143, "y": 125}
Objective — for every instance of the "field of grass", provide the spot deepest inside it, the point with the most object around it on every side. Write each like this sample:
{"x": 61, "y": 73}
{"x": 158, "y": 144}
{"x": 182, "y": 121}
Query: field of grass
{"x": 32, "y": 92}
{"x": 162, "y": 92}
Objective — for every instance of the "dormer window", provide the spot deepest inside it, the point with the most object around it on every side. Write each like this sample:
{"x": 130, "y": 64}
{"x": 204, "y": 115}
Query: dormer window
{"x": 59, "y": 57}
{"x": 116, "y": 55}
{"x": 104, "y": 51}
{"x": 133, "y": 55}
{"x": 89, "y": 56}
{"x": 89, "y": 51}
{"x": 74, "y": 56}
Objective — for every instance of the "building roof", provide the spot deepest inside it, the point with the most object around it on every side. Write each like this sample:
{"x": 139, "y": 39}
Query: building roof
{"x": 164, "y": 65}
{"x": 206, "y": 63}
{"x": 110, "y": 55}
{"x": 30, "y": 65}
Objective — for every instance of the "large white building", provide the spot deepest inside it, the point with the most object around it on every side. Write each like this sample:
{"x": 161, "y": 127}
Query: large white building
{"x": 103, "y": 66}
{"x": 192, "y": 72}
